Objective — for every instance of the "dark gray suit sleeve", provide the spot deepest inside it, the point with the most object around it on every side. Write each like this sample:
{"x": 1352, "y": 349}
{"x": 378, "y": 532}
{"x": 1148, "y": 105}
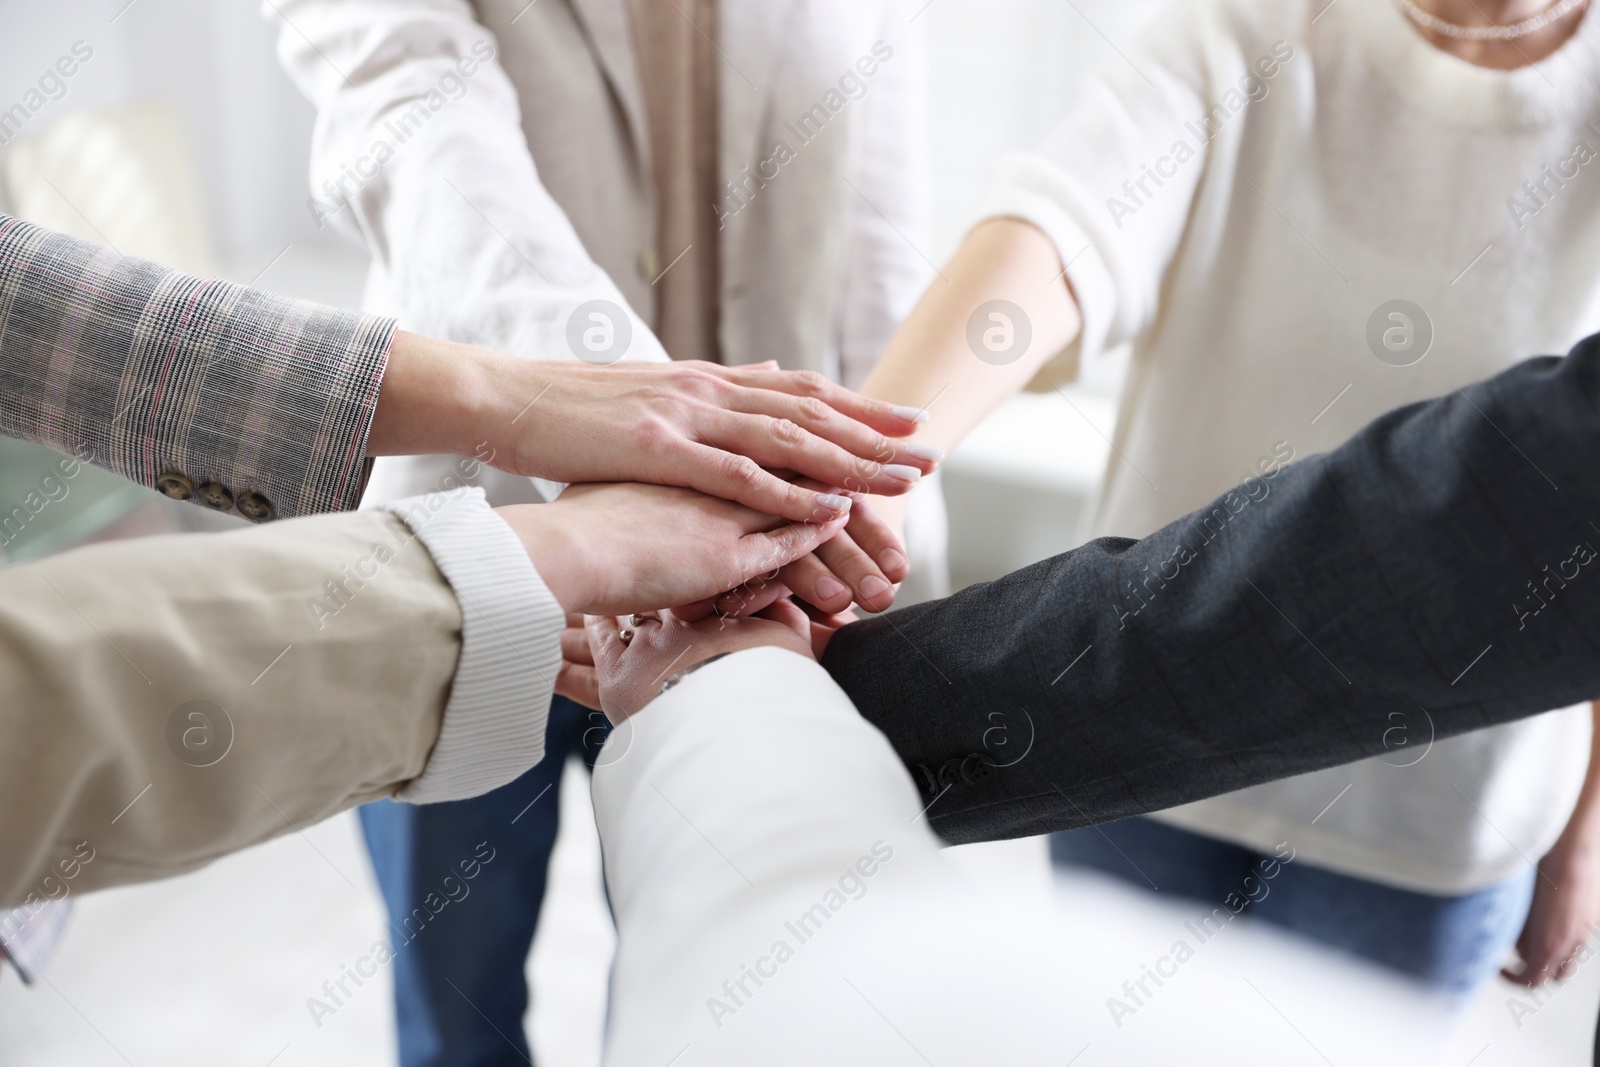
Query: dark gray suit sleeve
{"x": 1436, "y": 574}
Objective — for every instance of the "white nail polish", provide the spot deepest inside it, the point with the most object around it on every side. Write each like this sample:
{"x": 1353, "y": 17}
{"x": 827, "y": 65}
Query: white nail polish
{"x": 902, "y": 411}
{"x": 902, "y": 472}
{"x": 927, "y": 452}
{"x": 834, "y": 502}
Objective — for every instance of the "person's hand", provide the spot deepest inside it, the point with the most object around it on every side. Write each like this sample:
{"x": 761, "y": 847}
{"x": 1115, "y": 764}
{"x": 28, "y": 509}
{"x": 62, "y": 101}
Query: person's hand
{"x": 579, "y": 681}
{"x": 608, "y": 549}
{"x": 1565, "y": 909}
{"x": 864, "y": 565}
{"x": 625, "y": 675}
{"x": 691, "y": 424}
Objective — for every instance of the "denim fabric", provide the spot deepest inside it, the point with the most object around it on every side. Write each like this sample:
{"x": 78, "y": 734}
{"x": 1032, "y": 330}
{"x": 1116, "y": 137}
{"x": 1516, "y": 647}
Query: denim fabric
{"x": 461, "y": 940}
{"x": 1453, "y": 943}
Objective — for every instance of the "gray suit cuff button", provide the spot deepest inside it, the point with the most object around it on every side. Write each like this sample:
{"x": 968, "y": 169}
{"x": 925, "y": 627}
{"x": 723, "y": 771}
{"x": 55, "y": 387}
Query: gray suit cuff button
{"x": 177, "y": 485}
{"x": 216, "y": 495}
{"x": 255, "y": 507}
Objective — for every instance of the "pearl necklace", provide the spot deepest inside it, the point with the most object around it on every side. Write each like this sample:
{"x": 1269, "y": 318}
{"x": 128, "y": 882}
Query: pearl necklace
{"x": 1489, "y": 33}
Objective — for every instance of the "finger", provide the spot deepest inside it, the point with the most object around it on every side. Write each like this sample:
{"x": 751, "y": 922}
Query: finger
{"x": 700, "y": 609}
{"x": 893, "y": 419}
{"x": 876, "y": 537}
{"x": 731, "y": 476}
{"x": 846, "y": 563}
{"x": 766, "y": 551}
{"x": 782, "y": 443}
{"x": 788, "y": 613}
{"x": 821, "y": 634}
{"x": 856, "y": 438}
{"x": 815, "y": 583}
{"x": 575, "y": 646}
{"x": 605, "y": 642}
{"x": 579, "y": 683}
{"x": 747, "y": 600}
{"x": 872, "y": 589}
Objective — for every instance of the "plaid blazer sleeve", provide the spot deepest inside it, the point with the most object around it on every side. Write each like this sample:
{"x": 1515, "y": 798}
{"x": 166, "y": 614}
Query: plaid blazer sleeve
{"x": 206, "y": 390}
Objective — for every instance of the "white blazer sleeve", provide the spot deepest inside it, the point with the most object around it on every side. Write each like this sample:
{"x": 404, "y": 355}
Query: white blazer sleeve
{"x": 886, "y": 268}
{"x": 769, "y": 866}
{"x": 418, "y": 150}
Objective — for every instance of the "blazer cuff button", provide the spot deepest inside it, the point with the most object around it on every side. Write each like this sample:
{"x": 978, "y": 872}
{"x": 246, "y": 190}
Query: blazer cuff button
{"x": 977, "y": 769}
{"x": 175, "y": 484}
{"x": 255, "y": 507}
{"x": 216, "y": 495}
{"x": 950, "y": 775}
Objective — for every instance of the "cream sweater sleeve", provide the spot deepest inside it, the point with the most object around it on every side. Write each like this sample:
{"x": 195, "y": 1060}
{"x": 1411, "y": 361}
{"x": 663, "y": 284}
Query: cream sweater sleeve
{"x": 1114, "y": 184}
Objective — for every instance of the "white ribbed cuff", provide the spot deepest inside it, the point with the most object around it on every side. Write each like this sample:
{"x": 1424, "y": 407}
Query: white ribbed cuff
{"x": 1032, "y": 189}
{"x": 511, "y": 625}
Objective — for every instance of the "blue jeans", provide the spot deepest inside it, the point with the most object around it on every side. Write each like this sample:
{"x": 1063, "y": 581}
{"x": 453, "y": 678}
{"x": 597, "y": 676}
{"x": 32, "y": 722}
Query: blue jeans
{"x": 1452, "y": 943}
{"x": 463, "y": 883}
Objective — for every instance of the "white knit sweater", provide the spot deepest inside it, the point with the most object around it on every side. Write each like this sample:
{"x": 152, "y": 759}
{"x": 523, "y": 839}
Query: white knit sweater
{"x": 1244, "y": 196}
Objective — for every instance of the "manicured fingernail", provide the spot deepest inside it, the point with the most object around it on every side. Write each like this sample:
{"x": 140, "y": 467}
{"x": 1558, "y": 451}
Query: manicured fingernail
{"x": 891, "y": 560}
{"x": 834, "y": 501}
{"x": 873, "y": 587}
{"x": 902, "y": 472}
{"x": 828, "y": 588}
{"x": 902, "y": 411}
{"x": 927, "y": 452}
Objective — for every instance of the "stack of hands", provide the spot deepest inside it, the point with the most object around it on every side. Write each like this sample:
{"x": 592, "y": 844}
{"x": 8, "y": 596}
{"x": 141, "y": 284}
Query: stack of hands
{"x": 703, "y": 496}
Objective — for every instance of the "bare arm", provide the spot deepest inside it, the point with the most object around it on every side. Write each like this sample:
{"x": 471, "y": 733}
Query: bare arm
{"x": 930, "y": 364}
{"x": 1566, "y": 897}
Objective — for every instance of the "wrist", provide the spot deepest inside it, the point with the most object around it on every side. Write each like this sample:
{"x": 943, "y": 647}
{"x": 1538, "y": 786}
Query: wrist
{"x": 436, "y": 398}
{"x": 558, "y": 553}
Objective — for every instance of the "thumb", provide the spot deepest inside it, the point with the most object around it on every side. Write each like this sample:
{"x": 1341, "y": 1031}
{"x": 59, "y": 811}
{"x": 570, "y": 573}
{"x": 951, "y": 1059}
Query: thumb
{"x": 766, "y": 551}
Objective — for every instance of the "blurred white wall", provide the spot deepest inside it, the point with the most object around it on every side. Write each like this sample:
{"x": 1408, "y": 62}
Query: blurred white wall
{"x": 214, "y": 60}
{"x": 1001, "y": 72}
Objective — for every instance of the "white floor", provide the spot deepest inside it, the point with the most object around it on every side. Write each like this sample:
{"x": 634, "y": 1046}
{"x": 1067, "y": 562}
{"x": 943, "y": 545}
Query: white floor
{"x": 216, "y": 968}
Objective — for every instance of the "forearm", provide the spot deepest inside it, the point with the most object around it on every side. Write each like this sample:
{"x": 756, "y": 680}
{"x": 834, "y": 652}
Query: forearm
{"x": 174, "y": 733}
{"x": 1583, "y": 827}
{"x": 440, "y": 397}
{"x": 1279, "y": 630}
{"x": 209, "y": 391}
{"x": 930, "y": 363}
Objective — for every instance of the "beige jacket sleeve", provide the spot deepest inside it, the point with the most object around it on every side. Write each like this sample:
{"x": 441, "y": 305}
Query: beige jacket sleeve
{"x": 169, "y": 700}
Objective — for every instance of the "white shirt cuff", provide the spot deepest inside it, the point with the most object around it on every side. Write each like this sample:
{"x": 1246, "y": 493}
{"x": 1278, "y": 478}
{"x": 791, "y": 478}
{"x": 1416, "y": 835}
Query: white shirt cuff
{"x": 494, "y": 722}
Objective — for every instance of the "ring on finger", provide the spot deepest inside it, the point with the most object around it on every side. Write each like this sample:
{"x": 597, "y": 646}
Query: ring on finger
{"x": 625, "y": 636}
{"x": 638, "y": 619}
